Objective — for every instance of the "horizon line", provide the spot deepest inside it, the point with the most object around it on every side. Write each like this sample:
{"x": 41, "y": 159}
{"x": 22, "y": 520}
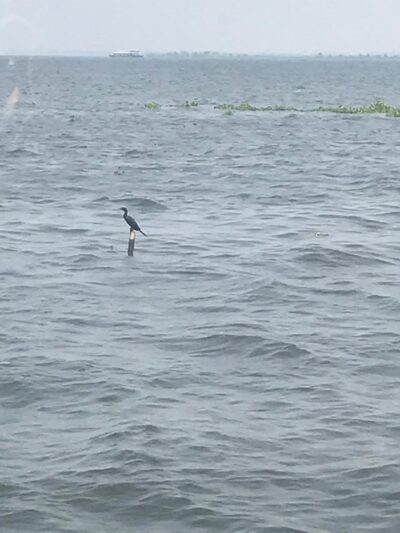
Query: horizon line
{"x": 207, "y": 53}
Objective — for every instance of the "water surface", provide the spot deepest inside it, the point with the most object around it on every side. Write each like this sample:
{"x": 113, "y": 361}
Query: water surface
{"x": 241, "y": 372}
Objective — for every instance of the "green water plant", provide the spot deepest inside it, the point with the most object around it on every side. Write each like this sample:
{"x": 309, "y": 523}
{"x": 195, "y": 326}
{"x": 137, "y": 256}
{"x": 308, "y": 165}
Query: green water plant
{"x": 378, "y": 107}
{"x": 193, "y": 103}
{"x": 152, "y": 105}
{"x": 245, "y": 106}
{"x": 394, "y": 112}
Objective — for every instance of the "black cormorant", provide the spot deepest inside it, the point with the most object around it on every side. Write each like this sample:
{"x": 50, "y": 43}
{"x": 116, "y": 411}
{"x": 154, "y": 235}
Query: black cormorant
{"x": 131, "y": 221}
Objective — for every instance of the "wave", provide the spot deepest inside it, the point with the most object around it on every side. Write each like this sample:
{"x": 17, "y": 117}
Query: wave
{"x": 331, "y": 257}
{"x": 138, "y": 202}
{"x": 243, "y": 345}
{"x": 21, "y": 152}
{"x": 135, "y": 153}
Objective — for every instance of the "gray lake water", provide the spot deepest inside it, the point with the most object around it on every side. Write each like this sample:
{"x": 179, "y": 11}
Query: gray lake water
{"x": 241, "y": 372}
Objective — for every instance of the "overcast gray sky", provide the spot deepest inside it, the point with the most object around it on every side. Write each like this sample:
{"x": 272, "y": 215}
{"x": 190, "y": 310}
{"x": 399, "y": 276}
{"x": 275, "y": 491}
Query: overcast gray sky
{"x": 250, "y": 26}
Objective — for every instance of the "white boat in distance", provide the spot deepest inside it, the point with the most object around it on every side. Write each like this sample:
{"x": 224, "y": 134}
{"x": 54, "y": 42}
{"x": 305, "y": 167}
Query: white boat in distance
{"x": 127, "y": 53}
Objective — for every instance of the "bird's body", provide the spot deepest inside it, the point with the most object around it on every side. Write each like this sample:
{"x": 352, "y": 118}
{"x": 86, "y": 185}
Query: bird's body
{"x": 131, "y": 221}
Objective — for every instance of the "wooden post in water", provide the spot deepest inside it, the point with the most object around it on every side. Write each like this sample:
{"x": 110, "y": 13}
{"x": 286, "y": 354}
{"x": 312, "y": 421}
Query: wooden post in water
{"x": 131, "y": 242}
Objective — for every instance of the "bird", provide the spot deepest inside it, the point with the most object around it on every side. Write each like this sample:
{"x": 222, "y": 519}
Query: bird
{"x": 131, "y": 221}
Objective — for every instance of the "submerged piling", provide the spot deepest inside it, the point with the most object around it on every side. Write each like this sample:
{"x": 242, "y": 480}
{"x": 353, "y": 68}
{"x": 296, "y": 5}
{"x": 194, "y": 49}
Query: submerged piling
{"x": 131, "y": 242}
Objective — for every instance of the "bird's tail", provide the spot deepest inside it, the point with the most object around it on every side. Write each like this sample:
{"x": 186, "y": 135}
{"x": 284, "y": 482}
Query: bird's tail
{"x": 143, "y": 233}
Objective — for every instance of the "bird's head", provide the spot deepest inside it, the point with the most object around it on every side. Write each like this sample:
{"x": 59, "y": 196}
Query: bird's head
{"x": 124, "y": 209}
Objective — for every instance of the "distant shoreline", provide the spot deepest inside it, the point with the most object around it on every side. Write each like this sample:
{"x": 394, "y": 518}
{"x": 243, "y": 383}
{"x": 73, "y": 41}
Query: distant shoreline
{"x": 198, "y": 55}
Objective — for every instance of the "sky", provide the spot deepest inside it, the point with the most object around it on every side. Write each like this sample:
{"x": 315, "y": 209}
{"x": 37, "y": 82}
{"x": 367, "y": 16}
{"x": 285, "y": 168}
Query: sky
{"x": 228, "y": 26}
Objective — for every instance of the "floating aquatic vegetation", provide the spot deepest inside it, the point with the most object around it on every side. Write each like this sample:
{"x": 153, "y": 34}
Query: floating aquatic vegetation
{"x": 394, "y": 112}
{"x": 378, "y": 107}
{"x": 245, "y": 106}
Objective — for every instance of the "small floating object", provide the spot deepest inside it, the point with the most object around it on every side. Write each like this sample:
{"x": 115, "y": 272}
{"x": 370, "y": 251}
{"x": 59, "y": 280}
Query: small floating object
{"x": 320, "y": 234}
{"x": 119, "y": 171}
